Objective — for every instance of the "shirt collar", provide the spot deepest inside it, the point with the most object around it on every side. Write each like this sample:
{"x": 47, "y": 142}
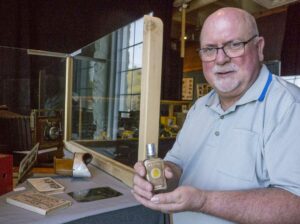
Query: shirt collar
{"x": 252, "y": 94}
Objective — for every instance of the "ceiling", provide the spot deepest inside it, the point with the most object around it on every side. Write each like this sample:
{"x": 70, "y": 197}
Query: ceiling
{"x": 198, "y": 10}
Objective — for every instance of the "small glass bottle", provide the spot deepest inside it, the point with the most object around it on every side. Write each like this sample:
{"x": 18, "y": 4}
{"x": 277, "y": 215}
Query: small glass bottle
{"x": 155, "y": 169}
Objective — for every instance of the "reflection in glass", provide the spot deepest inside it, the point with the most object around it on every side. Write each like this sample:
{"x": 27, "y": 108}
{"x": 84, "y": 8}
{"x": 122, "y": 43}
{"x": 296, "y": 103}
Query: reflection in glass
{"x": 29, "y": 81}
{"x": 106, "y": 94}
{"x": 139, "y": 25}
{"x": 138, "y": 56}
{"x": 136, "y": 81}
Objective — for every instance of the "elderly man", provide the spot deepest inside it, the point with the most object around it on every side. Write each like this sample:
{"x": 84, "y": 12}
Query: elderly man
{"x": 237, "y": 157}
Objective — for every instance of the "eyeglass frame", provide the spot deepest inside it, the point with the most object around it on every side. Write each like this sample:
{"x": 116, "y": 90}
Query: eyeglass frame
{"x": 227, "y": 44}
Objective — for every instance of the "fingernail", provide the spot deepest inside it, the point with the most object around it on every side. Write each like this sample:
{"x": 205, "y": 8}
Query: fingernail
{"x": 154, "y": 199}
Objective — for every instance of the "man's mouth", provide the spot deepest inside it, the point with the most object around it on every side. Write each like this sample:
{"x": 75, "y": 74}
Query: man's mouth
{"x": 223, "y": 72}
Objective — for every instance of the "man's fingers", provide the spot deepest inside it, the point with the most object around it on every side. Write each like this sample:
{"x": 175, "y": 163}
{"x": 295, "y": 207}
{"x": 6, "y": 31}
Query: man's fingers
{"x": 159, "y": 207}
{"x": 140, "y": 185}
{"x": 168, "y": 173}
{"x": 140, "y": 169}
{"x": 165, "y": 198}
{"x": 142, "y": 192}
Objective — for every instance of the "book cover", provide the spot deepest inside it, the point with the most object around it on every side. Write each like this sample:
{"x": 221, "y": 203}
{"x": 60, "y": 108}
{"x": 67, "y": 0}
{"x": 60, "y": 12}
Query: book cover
{"x": 46, "y": 185}
{"x": 38, "y": 202}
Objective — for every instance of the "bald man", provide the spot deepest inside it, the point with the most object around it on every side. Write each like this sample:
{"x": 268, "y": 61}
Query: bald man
{"x": 237, "y": 157}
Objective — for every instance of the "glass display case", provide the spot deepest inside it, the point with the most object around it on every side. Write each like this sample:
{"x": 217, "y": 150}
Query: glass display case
{"x": 103, "y": 98}
{"x": 32, "y": 85}
{"x": 113, "y": 96}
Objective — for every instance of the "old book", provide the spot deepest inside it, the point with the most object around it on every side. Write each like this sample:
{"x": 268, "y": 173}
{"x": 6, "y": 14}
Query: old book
{"x": 46, "y": 185}
{"x": 38, "y": 202}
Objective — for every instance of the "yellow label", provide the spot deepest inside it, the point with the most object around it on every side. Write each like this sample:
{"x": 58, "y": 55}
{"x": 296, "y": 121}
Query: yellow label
{"x": 155, "y": 173}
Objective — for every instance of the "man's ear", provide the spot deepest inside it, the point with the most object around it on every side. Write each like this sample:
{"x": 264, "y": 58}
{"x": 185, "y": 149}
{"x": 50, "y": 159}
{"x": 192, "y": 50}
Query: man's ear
{"x": 260, "y": 48}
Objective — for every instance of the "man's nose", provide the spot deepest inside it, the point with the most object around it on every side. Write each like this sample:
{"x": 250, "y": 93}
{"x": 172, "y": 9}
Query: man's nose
{"x": 222, "y": 57}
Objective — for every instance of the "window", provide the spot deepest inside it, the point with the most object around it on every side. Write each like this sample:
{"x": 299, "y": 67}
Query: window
{"x": 107, "y": 80}
{"x": 131, "y": 65}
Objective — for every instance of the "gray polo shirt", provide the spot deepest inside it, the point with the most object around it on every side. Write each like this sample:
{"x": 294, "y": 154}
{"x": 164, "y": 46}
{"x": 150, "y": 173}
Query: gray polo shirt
{"x": 253, "y": 144}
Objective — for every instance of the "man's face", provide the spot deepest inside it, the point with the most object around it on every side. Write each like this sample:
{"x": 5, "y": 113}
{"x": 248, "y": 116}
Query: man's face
{"x": 231, "y": 77}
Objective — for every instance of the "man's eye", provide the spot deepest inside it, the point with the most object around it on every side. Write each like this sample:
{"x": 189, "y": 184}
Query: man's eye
{"x": 236, "y": 45}
{"x": 208, "y": 50}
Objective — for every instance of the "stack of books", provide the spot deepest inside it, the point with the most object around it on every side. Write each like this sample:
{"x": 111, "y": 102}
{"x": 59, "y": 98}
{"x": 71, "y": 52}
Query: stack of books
{"x": 39, "y": 200}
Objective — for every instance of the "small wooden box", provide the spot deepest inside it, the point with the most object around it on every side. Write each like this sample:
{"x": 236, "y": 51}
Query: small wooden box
{"x": 6, "y": 173}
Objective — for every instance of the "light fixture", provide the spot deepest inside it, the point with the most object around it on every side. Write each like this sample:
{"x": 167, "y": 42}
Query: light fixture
{"x": 182, "y": 4}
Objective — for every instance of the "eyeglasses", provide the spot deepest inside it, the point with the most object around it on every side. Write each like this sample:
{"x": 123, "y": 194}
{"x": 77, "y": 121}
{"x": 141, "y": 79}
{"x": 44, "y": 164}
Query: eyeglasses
{"x": 232, "y": 49}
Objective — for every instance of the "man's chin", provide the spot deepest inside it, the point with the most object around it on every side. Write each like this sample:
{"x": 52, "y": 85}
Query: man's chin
{"x": 225, "y": 88}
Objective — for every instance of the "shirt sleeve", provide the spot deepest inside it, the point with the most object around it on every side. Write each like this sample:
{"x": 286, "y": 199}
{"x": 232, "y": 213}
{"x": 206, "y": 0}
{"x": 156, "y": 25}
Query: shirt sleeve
{"x": 282, "y": 152}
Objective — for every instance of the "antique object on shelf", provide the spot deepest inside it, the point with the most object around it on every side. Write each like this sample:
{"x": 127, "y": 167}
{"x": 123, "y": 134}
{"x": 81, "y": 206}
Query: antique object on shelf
{"x": 6, "y": 173}
{"x": 172, "y": 116}
{"x": 47, "y": 129}
{"x": 20, "y": 133}
{"x": 76, "y": 167}
{"x": 27, "y": 163}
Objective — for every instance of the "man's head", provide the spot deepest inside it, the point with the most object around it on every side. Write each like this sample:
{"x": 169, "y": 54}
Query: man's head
{"x": 233, "y": 72}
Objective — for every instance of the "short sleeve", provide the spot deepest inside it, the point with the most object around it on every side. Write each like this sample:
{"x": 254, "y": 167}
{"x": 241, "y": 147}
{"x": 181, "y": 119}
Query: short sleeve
{"x": 282, "y": 152}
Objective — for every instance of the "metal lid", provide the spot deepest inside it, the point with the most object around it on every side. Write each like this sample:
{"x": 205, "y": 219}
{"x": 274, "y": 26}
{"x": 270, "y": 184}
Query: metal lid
{"x": 150, "y": 149}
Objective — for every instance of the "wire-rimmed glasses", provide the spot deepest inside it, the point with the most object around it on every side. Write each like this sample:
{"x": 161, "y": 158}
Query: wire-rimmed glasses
{"x": 232, "y": 49}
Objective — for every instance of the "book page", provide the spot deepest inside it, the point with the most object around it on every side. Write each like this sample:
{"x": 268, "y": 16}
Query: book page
{"x": 46, "y": 184}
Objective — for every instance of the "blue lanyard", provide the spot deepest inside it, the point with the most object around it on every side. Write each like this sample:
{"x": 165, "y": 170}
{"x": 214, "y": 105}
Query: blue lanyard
{"x": 264, "y": 92}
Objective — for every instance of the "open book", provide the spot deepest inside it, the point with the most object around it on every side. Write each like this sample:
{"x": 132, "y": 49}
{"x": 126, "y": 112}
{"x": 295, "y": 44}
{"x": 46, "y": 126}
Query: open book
{"x": 38, "y": 202}
{"x": 46, "y": 185}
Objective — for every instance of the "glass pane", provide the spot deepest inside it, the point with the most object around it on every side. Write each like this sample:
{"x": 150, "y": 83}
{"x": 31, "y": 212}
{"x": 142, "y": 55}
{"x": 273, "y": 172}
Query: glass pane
{"x": 23, "y": 75}
{"x": 138, "y": 56}
{"x": 125, "y": 103}
{"x": 135, "y": 102}
{"x": 130, "y": 58}
{"x": 106, "y": 94}
{"x": 139, "y": 25}
{"x": 127, "y": 59}
{"x": 125, "y": 37}
{"x": 32, "y": 88}
{"x": 126, "y": 83}
{"x": 131, "y": 34}
{"x": 136, "y": 81}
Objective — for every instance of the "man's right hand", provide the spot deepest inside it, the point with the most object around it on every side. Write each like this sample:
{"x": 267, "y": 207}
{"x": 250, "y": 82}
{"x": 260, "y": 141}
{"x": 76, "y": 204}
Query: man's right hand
{"x": 144, "y": 188}
{"x": 141, "y": 186}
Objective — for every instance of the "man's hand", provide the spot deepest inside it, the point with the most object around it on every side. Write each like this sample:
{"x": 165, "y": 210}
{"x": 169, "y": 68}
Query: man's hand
{"x": 183, "y": 198}
{"x": 143, "y": 190}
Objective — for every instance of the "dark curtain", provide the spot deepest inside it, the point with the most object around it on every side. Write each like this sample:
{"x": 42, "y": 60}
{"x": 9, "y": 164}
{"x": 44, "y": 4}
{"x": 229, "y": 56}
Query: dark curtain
{"x": 290, "y": 55}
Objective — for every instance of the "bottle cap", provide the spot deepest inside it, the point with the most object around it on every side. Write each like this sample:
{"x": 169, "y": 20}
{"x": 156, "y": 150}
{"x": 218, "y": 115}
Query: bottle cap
{"x": 150, "y": 149}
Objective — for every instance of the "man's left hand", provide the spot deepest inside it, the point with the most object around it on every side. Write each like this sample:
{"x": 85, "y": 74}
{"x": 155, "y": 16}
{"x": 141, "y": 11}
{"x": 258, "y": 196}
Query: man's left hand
{"x": 183, "y": 198}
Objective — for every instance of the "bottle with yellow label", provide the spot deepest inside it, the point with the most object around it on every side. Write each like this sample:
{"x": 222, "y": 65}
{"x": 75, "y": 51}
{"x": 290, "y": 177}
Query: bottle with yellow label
{"x": 155, "y": 169}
